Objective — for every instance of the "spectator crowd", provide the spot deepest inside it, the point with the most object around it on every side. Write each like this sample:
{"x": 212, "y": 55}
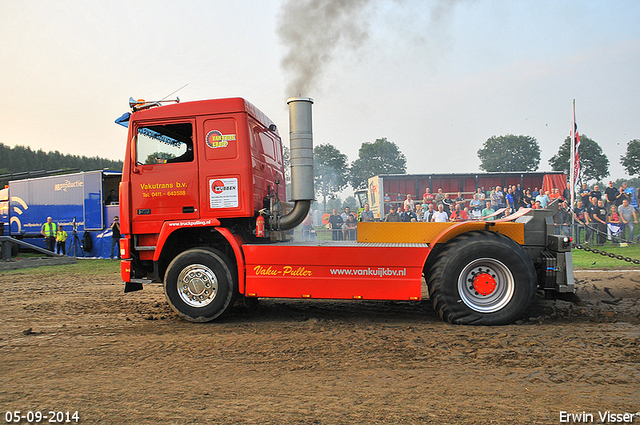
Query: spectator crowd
{"x": 597, "y": 215}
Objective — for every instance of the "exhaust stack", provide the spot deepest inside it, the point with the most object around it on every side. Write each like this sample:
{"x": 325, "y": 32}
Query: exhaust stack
{"x": 301, "y": 141}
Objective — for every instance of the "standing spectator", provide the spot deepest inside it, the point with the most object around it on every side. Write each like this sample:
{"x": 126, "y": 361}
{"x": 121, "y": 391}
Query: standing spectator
{"x": 585, "y": 194}
{"x": 410, "y": 203}
{"x": 535, "y": 192}
{"x": 335, "y": 224}
{"x": 399, "y": 200}
{"x": 630, "y": 192}
{"x": 543, "y": 199}
{"x": 345, "y": 216}
{"x": 510, "y": 201}
{"x": 497, "y": 198}
{"x": 590, "y": 222}
{"x": 621, "y": 196}
{"x": 387, "y": 203}
{"x": 600, "y": 220}
{"x": 346, "y": 213}
{"x": 115, "y": 237}
{"x": 460, "y": 200}
{"x": 439, "y": 197}
{"x": 393, "y": 216}
{"x": 527, "y": 199}
{"x": 595, "y": 193}
{"x": 610, "y": 194}
{"x": 440, "y": 216}
{"x": 428, "y": 197}
{"x": 408, "y": 215}
{"x": 459, "y": 214}
{"x": 419, "y": 211}
{"x": 487, "y": 212}
{"x": 628, "y": 217}
{"x": 447, "y": 204}
{"x": 475, "y": 207}
{"x": 351, "y": 226}
{"x": 480, "y": 194}
{"x": 428, "y": 214}
{"x": 61, "y": 241}
{"x": 49, "y": 231}
{"x": 366, "y": 214}
{"x": 614, "y": 226}
{"x": 578, "y": 220}
{"x": 561, "y": 220}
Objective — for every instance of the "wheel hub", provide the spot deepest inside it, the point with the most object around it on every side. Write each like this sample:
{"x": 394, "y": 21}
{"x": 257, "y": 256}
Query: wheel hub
{"x": 197, "y": 285}
{"x": 484, "y": 283}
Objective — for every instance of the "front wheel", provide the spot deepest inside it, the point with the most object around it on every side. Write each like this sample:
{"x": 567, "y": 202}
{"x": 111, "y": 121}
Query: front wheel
{"x": 199, "y": 284}
{"x": 482, "y": 278}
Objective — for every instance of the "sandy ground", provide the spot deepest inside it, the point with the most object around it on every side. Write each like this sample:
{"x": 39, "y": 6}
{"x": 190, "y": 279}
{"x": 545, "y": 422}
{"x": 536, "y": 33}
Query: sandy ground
{"x": 78, "y": 343}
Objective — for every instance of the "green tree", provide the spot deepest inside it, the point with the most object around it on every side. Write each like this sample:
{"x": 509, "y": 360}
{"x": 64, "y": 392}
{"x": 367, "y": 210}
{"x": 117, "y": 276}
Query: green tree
{"x": 333, "y": 201}
{"x": 510, "y": 153}
{"x": 351, "y": 203}
{"x": 22, "y": 158}
{"x": 631, "y": 160}
{"x": 594, "y": 164}
{"x": 153, "y": 157}
{"x": 330, "y": 171}
{"x": 379, "y": 157}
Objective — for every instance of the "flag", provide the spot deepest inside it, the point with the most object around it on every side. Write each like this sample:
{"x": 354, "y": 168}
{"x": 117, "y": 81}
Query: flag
{"x": 575, "y": 156}
{"x": 576, "y": 163}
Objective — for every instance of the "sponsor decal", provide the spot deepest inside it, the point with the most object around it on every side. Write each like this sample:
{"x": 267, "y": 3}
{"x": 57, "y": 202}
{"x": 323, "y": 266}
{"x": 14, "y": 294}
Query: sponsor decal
{"x": 299, "y": 271}
{"x": 305, "y": 271}
{"x": 215, "y": 139}
{"x": 380, "y": 272}
{"x": 153, "y": 190}
{"x": 223, "y": 193}
{"x": 67, "y": 185}
{"x": 190, "y": 223}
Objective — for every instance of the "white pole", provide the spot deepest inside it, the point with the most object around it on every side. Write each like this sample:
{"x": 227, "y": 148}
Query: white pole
{"x": 572, "y": 176}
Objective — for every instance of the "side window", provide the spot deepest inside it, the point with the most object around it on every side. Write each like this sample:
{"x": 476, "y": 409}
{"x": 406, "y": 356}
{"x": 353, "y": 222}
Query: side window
{"x": 160, "y": 144}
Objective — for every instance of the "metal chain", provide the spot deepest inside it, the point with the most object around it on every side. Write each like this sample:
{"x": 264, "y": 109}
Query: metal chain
{"x": 607, "y": 254}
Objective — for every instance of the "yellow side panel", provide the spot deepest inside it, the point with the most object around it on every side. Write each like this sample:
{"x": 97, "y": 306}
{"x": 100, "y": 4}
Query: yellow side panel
{"x": 418, "y": 232}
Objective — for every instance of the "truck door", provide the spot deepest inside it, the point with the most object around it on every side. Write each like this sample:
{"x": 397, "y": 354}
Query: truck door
{"x": 164, "y": 178}
{"x": 93, "y": 218}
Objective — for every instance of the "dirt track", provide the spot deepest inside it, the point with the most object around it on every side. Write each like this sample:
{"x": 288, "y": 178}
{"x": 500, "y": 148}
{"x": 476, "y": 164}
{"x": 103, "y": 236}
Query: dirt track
{"x": 77, "y": 343}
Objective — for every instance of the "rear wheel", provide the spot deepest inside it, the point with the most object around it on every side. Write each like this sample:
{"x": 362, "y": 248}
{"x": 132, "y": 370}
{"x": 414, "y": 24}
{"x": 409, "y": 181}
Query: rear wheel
{"x": 199, "y": 284}
{"x": 482, "y": 278}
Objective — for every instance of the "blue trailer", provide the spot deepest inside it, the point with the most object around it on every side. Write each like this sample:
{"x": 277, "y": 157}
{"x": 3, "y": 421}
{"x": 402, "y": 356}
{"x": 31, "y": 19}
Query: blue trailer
{"x": 73, "y": 200}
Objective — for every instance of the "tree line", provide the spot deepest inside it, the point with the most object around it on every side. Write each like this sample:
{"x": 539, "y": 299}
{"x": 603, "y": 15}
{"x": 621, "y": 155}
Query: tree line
{"x": 522, "y": 153}
{"x": 332, "y": 171}
{"x": 23, "y": 159}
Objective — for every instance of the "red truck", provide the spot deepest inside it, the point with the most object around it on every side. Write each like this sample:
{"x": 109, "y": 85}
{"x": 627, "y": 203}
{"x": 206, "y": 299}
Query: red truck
{"x": 202, "y": 211}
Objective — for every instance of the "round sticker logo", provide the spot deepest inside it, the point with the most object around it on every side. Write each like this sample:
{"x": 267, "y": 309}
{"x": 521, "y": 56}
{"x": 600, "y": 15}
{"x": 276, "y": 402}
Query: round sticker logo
{"x": 217, "y": 186}
{"x": 215, "y": 139}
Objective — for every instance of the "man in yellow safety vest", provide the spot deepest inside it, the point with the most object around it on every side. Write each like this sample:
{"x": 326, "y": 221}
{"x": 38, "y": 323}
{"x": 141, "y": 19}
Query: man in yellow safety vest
{"x": 49, "y": 231}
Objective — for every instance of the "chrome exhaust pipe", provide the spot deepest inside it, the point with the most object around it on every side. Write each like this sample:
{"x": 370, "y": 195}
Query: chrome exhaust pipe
{"x": 301, "y": 142}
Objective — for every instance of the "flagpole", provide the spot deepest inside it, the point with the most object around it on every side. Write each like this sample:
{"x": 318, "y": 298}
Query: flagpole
{"x": 572, "y": 176}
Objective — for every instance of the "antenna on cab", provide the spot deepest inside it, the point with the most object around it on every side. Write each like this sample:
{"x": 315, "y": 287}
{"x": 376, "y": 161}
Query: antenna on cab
{"x": 141, "y": 104}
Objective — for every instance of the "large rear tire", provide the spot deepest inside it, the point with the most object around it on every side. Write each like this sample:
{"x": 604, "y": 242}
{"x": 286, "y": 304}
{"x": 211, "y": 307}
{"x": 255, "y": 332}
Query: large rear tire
{"x": 482, "y": 278}
{"x": 199, "y": 284}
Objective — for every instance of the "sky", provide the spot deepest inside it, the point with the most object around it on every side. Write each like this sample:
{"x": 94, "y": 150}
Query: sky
{"x": 438, "y": 78}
